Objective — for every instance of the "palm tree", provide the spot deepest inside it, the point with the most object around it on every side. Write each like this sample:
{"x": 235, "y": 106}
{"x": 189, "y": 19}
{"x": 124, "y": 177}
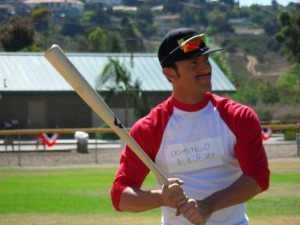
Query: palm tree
{"x": 117, "y": 78}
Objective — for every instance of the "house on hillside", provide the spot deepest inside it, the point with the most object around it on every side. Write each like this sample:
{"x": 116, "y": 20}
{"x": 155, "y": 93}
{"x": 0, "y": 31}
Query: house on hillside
{"x": 241, "y": 22}
{"x": 254, "y": 31}
{"x": 243, "y": 26}
{"x": 6, "y": 11}
{"x": 106, "y": 3}
{"x": 33, "y": 93}
{"x": 59, "y": 8}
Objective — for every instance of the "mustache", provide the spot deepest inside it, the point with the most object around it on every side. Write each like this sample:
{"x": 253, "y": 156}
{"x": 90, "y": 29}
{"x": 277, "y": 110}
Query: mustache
{"x": 203, "y": 76}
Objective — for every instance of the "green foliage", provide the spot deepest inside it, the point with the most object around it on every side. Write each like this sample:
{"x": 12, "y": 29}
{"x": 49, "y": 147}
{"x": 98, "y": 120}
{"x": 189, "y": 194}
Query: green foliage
{"x": 252, "y": 45}
{"x": 144, "y": 13}
{"x": 106, "y": 135}
{"x": 100, "y": 17}
{"x": 41, "y": 18}
{"x": 81, "y": 44}
{"x": 71, "y": 27}
{"x": 228, "y": 2}
{"x": 288, "y": 85}
{"x": 97, "y": 40}
{"x": 278, "y": 112}
{"x": 187, "y": 17}
{"x": 115, "y": 43}
{"x": 32, "y": 48}
{"x": 254, "y": 91}
{"x": 221, "y": 58}
{"x": 115, "y": 79}
{"x": 102, "y": 29}
{"x": 18, "y": 33}
{"x": 290, "y": 33}
{"x": 218, "y": 20}
{"x": 132, "y": 36}
{"x": 264, "y": 115}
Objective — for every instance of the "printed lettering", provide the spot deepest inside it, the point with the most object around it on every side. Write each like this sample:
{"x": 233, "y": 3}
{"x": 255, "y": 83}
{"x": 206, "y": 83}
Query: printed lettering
{"x": 194, "y": 155}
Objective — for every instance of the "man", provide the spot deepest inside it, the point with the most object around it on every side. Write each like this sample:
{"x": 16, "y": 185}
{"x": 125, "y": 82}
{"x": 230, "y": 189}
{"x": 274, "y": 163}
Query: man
{"x": 209, "y": 147}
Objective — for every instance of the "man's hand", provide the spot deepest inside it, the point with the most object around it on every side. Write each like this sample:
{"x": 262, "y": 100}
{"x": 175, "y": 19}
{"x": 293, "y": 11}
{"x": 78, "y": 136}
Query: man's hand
{"x": 195, "y": 212}
{"x": 173, "y": 195}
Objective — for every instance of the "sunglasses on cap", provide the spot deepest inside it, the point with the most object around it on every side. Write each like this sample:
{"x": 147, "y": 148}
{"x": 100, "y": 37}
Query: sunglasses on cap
{"x": 195, "y": 43}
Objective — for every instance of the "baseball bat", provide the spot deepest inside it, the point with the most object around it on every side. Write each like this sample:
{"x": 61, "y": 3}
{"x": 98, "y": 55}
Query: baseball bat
{"x": 64, "y": 66}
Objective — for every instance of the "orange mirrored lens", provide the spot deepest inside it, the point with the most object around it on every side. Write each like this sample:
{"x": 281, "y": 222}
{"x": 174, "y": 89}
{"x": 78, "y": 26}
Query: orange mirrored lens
{"x": 194, "y": 44}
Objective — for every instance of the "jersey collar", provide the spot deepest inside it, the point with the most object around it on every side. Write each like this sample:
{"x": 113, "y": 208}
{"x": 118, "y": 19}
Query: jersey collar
{"x": 188, "y": 107}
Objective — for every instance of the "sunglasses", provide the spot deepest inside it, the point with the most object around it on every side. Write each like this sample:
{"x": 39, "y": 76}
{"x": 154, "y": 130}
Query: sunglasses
{"x": 197, "y": 42}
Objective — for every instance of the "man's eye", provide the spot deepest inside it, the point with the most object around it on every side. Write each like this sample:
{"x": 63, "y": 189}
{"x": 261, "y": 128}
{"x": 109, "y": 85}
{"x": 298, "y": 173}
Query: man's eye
{"x": 194, "y": 66}
{"x": 194, "y": 62}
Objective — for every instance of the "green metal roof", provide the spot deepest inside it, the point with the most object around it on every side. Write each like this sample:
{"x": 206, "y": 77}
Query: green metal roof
{"x": 31, "y": 72}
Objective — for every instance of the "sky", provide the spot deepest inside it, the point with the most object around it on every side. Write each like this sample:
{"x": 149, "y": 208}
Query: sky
{"x": 266, "y": 2}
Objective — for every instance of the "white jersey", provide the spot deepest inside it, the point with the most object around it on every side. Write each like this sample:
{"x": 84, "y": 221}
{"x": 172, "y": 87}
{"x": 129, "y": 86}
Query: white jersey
{"x": 199, "y": 145}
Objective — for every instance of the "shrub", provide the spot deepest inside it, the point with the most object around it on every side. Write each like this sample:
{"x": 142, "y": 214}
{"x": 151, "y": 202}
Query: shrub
{"x": 106, "y": 136}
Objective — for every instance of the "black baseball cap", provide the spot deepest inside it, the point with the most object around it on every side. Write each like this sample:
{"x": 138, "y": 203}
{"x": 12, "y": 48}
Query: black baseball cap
{"x": 170, "y": 50}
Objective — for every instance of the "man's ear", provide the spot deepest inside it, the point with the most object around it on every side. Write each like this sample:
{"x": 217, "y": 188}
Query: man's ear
{"x": 169, "y": 73}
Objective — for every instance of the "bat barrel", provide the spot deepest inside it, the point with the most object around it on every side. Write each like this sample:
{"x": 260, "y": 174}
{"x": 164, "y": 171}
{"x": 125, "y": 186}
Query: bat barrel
{"x": 64, "y": 66}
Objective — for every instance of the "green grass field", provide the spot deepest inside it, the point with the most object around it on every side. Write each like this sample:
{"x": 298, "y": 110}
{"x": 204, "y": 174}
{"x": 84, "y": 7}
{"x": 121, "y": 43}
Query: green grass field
{"x": 82, "y": 196}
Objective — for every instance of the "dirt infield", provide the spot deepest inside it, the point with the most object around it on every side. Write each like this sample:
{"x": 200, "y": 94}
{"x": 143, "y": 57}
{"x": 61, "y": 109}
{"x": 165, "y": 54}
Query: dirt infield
{"x": 282, "y": 150}
{"x": 70, "y": 157}
{"x": 59, "y": 158}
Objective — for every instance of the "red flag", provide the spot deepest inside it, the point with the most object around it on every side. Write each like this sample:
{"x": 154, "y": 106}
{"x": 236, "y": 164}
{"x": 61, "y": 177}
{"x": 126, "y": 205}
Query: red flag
{"x": 49, "y": 139}
{"x": 266, "y": 134}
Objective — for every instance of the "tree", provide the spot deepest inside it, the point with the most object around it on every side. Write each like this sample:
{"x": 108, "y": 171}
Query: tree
{"x": 218, "y": 22}
{"x": 117, "y": 78}
{"x": 254, "y": 91}
{"x": 41, "y": 18}
{"x": 288, "y": 85}
{"x": 115, "y": 43}
{"x": 71, "y": 27}
{"x": 290, "y": 33}
{"x": 144, "y": 13}
{"x": 101, "y": 17}
{"x": 144, "y": 20}
{"x": 17, "y": 34}
{"x": 228, "y": 2}
{"x": 188, "y": 16}
{"x": 274, "y": 4}
{"x": 97, "y": 40}
{"x": 132, "y": 37}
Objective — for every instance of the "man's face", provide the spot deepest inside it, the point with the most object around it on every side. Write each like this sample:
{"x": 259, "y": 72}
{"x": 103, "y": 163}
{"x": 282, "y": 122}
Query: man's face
{"x": 193, "y": 76}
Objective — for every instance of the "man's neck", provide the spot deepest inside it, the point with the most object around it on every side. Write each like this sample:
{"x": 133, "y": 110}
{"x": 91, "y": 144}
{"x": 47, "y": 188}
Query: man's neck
{"x": 189, "y": 99}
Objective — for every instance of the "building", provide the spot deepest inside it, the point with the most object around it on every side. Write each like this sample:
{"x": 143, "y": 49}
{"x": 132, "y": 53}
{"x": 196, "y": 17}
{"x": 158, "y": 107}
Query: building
{"x": 33, "y": 93}
{"x": 107, "y": 3}
{"x": 59, "y": 8}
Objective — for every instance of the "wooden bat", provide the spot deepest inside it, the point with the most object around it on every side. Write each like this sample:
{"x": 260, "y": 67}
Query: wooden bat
{"x": 64, "y": 66}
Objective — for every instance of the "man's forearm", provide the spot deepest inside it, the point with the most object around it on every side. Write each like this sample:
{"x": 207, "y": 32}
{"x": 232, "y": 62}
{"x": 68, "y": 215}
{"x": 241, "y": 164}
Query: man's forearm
{"x": 136, "y": 200}
{"x": 242, "y": 190}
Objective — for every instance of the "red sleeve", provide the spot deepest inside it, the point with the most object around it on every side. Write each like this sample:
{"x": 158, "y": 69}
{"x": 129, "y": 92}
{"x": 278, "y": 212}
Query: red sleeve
{"x": 131, "y": 172}
{"x": 147, "y": 132}
{"x": 249, "y": 149}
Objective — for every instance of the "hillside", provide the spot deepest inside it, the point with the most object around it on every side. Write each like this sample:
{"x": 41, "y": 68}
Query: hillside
{"x": 252, "y": 55}
{"x": 270, "y": 69}
{"x": 246, "y": 33}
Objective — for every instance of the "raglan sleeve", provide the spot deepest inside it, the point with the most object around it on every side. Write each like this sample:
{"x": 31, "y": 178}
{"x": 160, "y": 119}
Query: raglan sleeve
{"x": 249, "y": 149}
{"x": 131, "y": 171}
